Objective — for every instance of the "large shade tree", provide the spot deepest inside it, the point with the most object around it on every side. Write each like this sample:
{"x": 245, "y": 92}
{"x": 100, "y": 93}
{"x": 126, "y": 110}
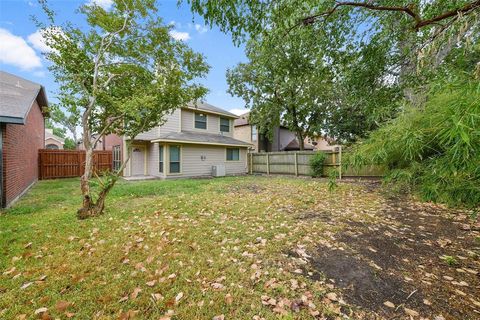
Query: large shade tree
{"x": 122, "y": 73}
{"x": 283, "y": 84}
{"x": 379, "y": 51}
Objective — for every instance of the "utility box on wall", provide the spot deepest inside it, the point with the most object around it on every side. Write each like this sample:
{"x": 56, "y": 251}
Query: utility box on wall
{"x": 218, "y": 170}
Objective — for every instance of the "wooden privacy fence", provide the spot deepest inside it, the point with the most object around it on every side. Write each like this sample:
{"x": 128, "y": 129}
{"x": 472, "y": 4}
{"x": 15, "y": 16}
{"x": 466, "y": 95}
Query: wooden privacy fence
{"x": 298, "y": 163}
{"x": 54, "y": 164}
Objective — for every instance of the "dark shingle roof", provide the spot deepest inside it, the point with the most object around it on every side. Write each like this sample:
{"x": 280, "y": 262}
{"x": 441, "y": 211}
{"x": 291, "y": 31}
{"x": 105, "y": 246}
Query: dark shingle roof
{"x": 294, "y": 145}
{"x": 17, "y": 96}
{"x": 201, "y": 138}
{"x": 209, "y": 108}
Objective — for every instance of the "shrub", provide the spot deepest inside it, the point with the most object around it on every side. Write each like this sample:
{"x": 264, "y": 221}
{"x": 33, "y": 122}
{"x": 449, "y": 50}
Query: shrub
{"x": 433, "y": 149}
{"x": 316, "y": 163}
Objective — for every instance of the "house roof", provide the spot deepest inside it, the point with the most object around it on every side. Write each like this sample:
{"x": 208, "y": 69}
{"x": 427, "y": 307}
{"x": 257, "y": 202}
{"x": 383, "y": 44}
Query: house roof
{"x": 203, "y": 106}
{"x": 294, "y": 145}
{"x": 17, "y": 96}
{"x": 242, "y": 120}
{"x": 200, "y": 138}
{"x": 49, "y": 135}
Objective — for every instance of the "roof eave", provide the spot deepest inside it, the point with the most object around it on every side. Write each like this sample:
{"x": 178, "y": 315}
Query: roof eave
{"x": 197, "y": 142}
{"x": 229, "y": 115}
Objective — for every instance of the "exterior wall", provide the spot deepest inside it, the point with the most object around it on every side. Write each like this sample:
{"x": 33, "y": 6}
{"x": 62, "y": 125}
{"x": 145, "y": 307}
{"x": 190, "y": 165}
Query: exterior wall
{"x": 213, "y": 123}
{"x": 20, "y": 154}
{"x": 153, "y": 160}
{"x": 111, "y": 140}
{"x": 322, "y": 144}
{"x": 193, "y": 166}
{"x": 172, "y": 124}
{"x": 54, "y": 142}
{"x": 244, "y": 133}
{"x": 285, "y": 137}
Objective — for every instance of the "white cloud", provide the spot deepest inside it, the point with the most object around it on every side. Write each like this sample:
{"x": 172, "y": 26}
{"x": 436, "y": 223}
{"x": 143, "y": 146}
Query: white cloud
{"x": 14, "y": 50}
{"x": 105, "y": 4}
{"x": 37, "y": 40}
{"x": 238, "y": 111}
{"x": 181, "y": 36}
{"x": 200, "y": 28}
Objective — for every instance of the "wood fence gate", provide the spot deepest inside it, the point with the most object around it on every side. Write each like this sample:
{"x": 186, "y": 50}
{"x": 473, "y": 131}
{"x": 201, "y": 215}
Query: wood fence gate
{"x": 54, "y": 164}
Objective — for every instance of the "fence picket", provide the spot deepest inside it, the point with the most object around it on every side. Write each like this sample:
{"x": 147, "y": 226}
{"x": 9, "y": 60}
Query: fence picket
{"x": 54, "y": 164}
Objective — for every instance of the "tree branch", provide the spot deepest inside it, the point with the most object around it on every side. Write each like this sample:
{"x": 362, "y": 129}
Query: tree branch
{"x": 409, "y": 9}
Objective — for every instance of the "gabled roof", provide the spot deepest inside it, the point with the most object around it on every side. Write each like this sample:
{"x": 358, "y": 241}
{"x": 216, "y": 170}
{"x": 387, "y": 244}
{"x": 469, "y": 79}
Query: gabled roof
{"x": 208, "y": 108}
{"x": 294, "y": 145}
{"x": 242, "y": 120}
{"x": 17, "y": 96}
{"x": 200, "y": 138}
{"x": 49, "y": 135}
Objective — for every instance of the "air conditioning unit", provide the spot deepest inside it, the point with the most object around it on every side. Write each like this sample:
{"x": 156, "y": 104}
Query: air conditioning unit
{"x": 218, "y": 170}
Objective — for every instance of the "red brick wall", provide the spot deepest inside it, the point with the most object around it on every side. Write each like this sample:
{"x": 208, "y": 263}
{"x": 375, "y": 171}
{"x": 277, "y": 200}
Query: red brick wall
{"x": 20, "y": 153}
{"x": 112, "y": 140}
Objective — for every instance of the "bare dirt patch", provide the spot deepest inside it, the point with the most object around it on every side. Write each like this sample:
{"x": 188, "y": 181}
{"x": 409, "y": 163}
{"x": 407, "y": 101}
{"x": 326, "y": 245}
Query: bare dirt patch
{"x": 414, "y": 261}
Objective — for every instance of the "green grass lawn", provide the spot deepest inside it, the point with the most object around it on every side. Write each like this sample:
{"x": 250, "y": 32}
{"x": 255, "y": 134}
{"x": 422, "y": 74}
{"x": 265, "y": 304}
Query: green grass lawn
{"x": 185, "y": 249}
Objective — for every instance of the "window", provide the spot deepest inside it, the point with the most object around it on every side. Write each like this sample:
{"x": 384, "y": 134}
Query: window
{"x": 224, "y": 124}
{"x": 254, "y": 133}
{"x": 117, "y": 161}
{"x": 160, "y": 158}
{"x": 52, "y": 146}
{"x": 200, "y": 121}
{"x": 174, "y": 159}
{"x": 233, "y": 154}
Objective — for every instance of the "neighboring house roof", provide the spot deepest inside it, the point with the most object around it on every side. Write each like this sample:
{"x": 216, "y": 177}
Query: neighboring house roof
{"x": 294, "y": 145}
{"x": 17, "y": 96}
{"x": 200, "y": 138}
{"x": 203, "y": 106}
{"x": 49, "y": 135}
{"x": 242, "y": 120}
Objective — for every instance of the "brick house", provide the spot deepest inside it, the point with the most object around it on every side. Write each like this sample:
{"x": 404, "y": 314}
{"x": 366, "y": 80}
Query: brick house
{"x": 22, "y": 122}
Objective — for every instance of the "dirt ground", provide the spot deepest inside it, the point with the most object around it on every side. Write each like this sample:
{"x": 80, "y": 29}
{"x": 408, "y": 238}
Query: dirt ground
{"x": 415, "y": 261}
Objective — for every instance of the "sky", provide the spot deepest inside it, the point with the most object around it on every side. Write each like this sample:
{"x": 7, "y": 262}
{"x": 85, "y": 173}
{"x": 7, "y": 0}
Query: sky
{"x": 21, "y": 45}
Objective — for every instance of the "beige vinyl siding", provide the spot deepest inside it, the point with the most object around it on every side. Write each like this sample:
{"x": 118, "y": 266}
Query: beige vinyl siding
{"x": 193, "y": 166}
{"x": 213, "y": 123}
{"x": 172, "y": 124}
{"x": 152, "y": 160}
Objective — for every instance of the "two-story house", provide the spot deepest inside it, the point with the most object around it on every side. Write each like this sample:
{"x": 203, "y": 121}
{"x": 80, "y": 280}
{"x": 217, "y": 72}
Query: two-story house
{"x": 193, "y": 140}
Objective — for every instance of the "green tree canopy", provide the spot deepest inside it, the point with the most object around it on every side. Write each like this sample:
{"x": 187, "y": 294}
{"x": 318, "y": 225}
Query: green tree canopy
{"x": 121, "y": 74}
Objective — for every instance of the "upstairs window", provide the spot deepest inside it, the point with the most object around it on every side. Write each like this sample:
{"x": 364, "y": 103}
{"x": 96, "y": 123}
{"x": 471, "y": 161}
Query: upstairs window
{"x": 117, "y": 157}
{"x": 224, "y": 124}
{"x": 200, "y": 121}
{"x": 254, "y": 133}
{"x": 233, "y": 154}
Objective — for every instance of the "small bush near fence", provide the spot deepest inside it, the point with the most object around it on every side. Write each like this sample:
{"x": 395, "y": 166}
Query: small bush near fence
{"x": 316, "y": 163}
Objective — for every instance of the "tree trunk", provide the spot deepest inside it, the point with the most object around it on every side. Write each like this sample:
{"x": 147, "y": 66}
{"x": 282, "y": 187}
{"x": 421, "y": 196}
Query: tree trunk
{"x": 301, "y": 143}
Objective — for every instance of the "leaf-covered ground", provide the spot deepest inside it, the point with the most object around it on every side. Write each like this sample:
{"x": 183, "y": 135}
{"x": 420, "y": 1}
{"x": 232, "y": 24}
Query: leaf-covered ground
{"x": 236, "y": 248}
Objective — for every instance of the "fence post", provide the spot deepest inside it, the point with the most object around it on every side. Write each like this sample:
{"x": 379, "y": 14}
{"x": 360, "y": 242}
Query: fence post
{"x": 268, "y": 163}
{"x": 296, "y": 163}
{"x": 340, "y": 162}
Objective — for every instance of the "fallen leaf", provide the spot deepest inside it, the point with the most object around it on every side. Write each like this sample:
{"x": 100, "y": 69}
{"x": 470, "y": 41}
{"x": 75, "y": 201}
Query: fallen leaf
{"x": 178, "y": 297}
{"x": 26, "y": 285}
{"x": 332, "y": 296}
{"x": 62, "y": 305}
{"x": 228, "y": 298}
{"x": 389, "y": 304}
{"x": 135, "y": 293}
{"x": 41, "y": 310}
{"x": 151, "y": 283}
{"x": 220, "y": 317}
{"x": 411, "y": 312}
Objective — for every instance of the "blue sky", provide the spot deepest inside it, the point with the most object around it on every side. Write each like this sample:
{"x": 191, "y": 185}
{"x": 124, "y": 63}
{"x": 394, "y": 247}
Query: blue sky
{"x": 20, "y": 45}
